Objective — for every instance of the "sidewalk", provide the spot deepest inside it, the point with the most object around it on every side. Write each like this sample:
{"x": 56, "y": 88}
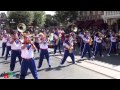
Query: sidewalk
{"x": 101, "y": 67}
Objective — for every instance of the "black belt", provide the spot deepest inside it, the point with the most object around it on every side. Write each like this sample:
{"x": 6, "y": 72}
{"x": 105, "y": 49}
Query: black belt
{"x": 43, "y": 49}
{"x": 16, "y": 50}
{"x": 27, "y": 58}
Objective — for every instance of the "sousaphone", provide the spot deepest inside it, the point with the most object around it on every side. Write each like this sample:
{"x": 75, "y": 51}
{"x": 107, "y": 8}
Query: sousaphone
{"x": 21, "y": 27}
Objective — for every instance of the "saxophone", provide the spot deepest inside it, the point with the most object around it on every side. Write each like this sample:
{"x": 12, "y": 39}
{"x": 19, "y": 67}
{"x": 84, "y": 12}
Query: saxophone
{"x": 71, "y": 49}
{"x": 90, "y": 42}
{"x": 57, "y": 41}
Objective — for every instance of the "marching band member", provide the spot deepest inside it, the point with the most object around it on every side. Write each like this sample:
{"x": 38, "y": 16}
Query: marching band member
{"x": 4, "y": 41}
{"x": 43, "y": 50}
{"x": 36, "y": 43}
{"x": 68, "y": 51}
{"x": 19, "y": 35}
{"x": 81, "y": 35}
{"x": 86, "y": 48}
{"x": 113, "y": 44}
{"x": 27, "y": 54}
{"x": 57, "y": 41}
{"x": 15, "y": 50}
{"x": 8, "y": 46}
{"x": 28, "y": 33}
{"x": 62, "y": 38}
{"x": 98, "y": 45}
{"x": 94, "y": 42}
{"x": 1, "y": 35}
{"x": 73, "y": 39}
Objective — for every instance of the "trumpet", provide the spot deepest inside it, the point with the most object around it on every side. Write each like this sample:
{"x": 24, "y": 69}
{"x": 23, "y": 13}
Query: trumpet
{"x": 57, "y": 41}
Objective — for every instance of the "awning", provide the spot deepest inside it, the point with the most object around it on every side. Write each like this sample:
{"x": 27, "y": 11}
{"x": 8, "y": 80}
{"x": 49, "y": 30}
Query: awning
{"x": 87, "y": 23}
{"x": 112, "y": 16}
{"x": 98, "y": 23}
{"x": 79, "y": 24}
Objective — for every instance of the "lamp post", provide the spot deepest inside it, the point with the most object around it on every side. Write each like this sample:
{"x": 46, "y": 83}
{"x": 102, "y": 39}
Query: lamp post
{"x": 12, "y": 22}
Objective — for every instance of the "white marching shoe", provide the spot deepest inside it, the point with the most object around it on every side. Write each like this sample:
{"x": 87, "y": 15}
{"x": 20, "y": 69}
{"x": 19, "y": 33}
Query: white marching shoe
{"x": 92, "y": 57}
{"x": 102, "y": 56}
{"x": 116, "y": 54}
{"x": 60, "y": 65}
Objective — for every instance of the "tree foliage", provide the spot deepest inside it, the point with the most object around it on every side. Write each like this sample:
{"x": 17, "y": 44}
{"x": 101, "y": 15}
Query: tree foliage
{"x": 35, "y": 18}
{"x": 21, "y": 17}
{"x": 39, "y": 18}
{"x": 51, "y": 21}
{"x": 64, "y": 17}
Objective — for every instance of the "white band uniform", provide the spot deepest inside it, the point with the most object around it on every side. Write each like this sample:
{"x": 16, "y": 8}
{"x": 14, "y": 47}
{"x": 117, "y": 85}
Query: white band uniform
{"x": 4, "y": 40}
{"x": 44, "y": 45}
{"x": 113, "y": 39}
{"x": 27, "y": 54}
{"x": 16, "y": 46}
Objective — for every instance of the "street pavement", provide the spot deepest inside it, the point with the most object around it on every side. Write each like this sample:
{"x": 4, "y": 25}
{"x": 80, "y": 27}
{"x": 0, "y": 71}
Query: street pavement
{"x": 68, "y": 71}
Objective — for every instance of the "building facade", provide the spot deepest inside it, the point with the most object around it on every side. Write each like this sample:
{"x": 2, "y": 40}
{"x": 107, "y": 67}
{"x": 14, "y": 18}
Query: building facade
{"x": 99, "y": 19}
{"x": 90, "y": 19}
{"x": 112, "y": 18}
{"x": 90, "y": 15}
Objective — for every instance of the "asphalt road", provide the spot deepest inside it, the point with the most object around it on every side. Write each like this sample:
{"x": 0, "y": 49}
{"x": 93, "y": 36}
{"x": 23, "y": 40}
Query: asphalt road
{"x": 68, "y": 71}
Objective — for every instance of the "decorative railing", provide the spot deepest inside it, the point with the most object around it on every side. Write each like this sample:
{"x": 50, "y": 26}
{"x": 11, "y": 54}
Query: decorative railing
{"x": 111, "y": 14}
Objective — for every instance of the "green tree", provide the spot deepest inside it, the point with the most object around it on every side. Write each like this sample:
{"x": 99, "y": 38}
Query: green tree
{"x": 65, "y": 17}
{"x": 25, "y": 17}
{"x": 39, "y": 18}
{"x": 51, "y": 21}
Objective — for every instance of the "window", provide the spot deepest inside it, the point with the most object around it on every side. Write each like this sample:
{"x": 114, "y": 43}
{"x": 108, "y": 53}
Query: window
{"x": 98, "y": 17}
{"x": 95, "y": 17}
{"x": 94, "y": 12}
{"x": 102, "y": 12}
{"x": 91, "y": 12}
{"x": 85, "y": 13}
{"x": 108, "y": 12}
{"x": 88, "y": 13}
{"x": 99, "y": 12}
{"x": 81, "y": 12}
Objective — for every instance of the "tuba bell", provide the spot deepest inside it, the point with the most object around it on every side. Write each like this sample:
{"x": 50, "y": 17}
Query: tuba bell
{"x": 21, "y": 27}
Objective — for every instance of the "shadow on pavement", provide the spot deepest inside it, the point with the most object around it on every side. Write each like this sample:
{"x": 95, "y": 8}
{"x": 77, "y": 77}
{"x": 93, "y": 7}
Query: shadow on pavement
{"x": 80, "y": 60}
{"x": 50, "y": 69}
{"x": 2, "y": 62}
{"x": 36, "y": 58}
{"x": 113, "y": 59}
{"x": 2, "y": 57}
{"x": 8, "y": 62}
{"x": 57, "y": 55}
